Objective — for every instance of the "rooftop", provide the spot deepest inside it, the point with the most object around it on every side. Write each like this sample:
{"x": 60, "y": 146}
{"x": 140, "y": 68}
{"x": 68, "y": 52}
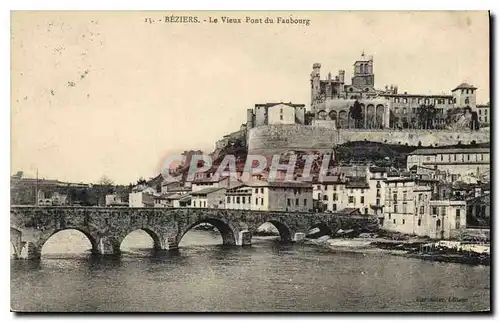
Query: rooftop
{"x": 464, "y": 86}
{"x": 205, "y": 191}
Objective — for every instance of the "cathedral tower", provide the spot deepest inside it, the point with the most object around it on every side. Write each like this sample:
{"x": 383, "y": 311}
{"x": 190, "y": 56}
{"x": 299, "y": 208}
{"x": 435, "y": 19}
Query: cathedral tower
{"x": 363, "y": 72}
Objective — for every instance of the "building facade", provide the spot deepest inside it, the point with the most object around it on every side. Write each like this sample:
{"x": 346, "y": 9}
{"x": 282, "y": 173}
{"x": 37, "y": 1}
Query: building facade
{"x": 458, "y": 162}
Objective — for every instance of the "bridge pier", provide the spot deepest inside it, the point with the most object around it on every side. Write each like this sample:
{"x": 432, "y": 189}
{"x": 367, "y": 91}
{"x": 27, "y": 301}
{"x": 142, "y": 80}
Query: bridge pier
{"x": 244, "y": 238}
{"x": 299, "y": 237}
{"x": 107, "y": 246}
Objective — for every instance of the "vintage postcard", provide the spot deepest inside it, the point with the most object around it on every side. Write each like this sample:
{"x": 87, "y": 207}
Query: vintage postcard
{"x": 260, "y": 161}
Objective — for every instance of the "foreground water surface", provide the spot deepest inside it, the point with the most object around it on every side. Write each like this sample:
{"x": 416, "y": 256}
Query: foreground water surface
{"x": 206, "y": 276}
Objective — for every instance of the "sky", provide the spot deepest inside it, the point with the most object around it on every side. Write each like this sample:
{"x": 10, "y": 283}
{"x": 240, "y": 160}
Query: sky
{"x": 109, "y": 94}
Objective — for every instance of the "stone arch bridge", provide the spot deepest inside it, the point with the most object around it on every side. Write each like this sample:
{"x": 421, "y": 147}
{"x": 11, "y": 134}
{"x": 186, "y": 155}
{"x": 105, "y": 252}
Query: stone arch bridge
{"x": 31, "y": 227}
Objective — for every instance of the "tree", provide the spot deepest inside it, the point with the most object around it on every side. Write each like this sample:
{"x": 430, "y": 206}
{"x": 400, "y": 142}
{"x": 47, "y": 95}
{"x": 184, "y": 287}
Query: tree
{"x": 104, "y": 186}
{"x": 356, "y": 113}
{"x": 425, "y": 116}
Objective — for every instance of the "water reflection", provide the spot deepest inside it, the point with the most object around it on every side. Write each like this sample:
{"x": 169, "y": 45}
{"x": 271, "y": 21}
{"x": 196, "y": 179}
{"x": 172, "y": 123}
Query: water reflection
{"x": 268, "y": 276}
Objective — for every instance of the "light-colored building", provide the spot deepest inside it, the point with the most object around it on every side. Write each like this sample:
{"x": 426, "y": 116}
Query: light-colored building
{"x": 447, "y": 218}
{"x": 239, "y": 197}
{"x": 290, "y": 196}
{"x": 405, "y": 205}
{"x": 410, "y": 209}
{"x": 276, "y": 114}
{"x": 162, "y": 201}
{"x": 456, "y": 161}
{"x": 211, "y": 182}
{"x": 140, "y": 199}
{"x": 212, "y": 197}
{"x": 357, "y": 193}
{"x": 332, "y": 193}
{"x": 376, "y": 193}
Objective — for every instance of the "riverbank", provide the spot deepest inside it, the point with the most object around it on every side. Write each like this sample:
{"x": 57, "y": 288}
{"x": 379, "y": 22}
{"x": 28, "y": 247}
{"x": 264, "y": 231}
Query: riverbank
{"x": 420, "y": 248}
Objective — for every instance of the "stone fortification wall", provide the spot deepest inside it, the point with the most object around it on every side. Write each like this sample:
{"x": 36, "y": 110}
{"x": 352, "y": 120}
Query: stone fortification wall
{"x": 280, "y": 138}
{"x": 273, "y": 139}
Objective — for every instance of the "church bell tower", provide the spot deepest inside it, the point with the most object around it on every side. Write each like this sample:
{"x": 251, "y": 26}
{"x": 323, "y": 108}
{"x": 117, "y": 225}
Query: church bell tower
{"x": 363, "y": 72}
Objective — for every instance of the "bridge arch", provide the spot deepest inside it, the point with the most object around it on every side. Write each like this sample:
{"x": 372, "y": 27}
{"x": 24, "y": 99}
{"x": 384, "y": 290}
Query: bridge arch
{"x": 286, "y": 234}
{"x": 47, "y": 234}
{"x": 227, "y": 229}
{"x": 158, "y": 242}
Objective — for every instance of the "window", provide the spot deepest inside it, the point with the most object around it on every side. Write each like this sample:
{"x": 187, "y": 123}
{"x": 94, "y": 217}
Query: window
{"x": 256, "y": 201}
{"x": 394, "y": 221}
{"x": 297, "y": 201}
{"x": 426, "y": 101}
{"x": 480, "y": 112}
{"x": 256, "y": 190}
{"x": 362, "y": 191}
{"x": 404, "y": 195}
{"x": 486, "y": 119}
{"x": 362, "y": 199}
{"x": 467, "y": 100}
{"x": 261, "y": 201}
{"x": 335, "y": 197}
{"x": 289, "y": 202}
{"x": 243, "y": 200}
{"x": 414, "y": 110}
{"x": 261, "y": 190}
{"x": 404, "y": 110}
{"x": 281, "y": 117}
{"x": 419, "y": 222}
{"x": 404, "y": 207}
{"x": 450, "y": 101}
{"x": 395, "y": 208}
{"x": 378, "y": 202}
{"x": 396, "y": 100}
{"x": 468, "y": 157}
{"x": 305, "y": 202}
{"x": 442, "y": 157}
{"x": 434, "y": 210}
{"x": 454, "y": 157}
{"x": 237, "y": 200}
{"x": 351, "y": 199}
{"x": 457, "y": 219}
{"x": 228, "y": 199}
{"x": 396, "y": 110}
{"x": 389, "y": 216}
{"x": 395, "y": 197}
{"x": 334, "y": 207}
{"x": 366, "y": 211}
{"x": 403, "y": 221}
{"x": 334, "y": 188}
{"x": 194, "y": 203}
{"x": 405, "y": 100}
{"x": 325, "y": 197}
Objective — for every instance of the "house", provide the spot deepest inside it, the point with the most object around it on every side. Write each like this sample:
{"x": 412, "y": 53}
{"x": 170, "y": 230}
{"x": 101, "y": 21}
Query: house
{"x": 239, "y": 197}
{"x": 357, "y": 191}
{"x": 211, "y": 197}
{"x": 376, "y": 193}
{"x": 330, "y": 193}
{"x": 447, "y": 218}
{"x": 210, "y": 182}
{"x": 163, "y": 201}
{"x": 140, "y": 199}
{"x": 281, "y": 196}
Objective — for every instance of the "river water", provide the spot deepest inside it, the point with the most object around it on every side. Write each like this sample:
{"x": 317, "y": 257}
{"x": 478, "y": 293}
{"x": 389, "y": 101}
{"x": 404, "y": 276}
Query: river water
{"x": 206, "y": 276}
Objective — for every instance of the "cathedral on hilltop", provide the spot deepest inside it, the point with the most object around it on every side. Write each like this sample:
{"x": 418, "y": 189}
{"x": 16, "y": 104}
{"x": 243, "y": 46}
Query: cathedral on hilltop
{"x": 332, "y": 99}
